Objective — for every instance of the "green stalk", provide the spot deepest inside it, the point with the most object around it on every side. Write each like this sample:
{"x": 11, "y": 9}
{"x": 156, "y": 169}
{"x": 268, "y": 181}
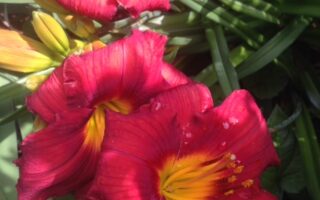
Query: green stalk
{"x": 307, "y": 154}
{"x": 220, "y": 55}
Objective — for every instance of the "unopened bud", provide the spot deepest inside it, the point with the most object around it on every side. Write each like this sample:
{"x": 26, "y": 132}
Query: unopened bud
{"x": 22, "y": 54}
{"x": 50, "y": 32}
{"x": 80, "y": 26}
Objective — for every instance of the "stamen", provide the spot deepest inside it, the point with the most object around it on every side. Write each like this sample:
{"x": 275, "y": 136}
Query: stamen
{"x": 247, "y": 183}
{"x": 229, "y": 192}
{"x": 196, "y": 176}
{"x": 238, "y": 169}
{"x": 232, "y": 179}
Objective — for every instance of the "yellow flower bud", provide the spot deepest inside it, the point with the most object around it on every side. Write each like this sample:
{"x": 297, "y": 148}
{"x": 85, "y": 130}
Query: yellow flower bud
{"x": 52, "y": 6}
{"x": 80, "y": 26}
{"x": 22, "y": 54}
{"x": 50, "y": 32}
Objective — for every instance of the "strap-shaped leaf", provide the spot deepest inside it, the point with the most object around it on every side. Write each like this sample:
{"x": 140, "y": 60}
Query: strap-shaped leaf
{"x": 273, "y": 48}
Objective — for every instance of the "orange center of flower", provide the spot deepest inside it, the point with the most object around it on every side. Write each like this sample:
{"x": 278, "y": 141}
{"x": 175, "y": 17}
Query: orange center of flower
{"x": 95, "y": 127}
{"x": 200, "y": 177}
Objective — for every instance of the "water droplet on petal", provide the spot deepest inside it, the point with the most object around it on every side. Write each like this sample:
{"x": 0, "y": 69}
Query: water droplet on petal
{"x": 233, "y": 157}
{"x": 224, "y": 143}
{"x": 156, "y": 106}
{"x": 225, "y": 125}
{"x": 188, "y": 135}
{"x": 233, "y": 120}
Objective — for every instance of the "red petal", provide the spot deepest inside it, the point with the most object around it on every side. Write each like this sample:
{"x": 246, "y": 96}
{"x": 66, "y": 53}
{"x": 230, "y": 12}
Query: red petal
{"x": 239, "y": 125}
{"x": 141, "y": 141}
{"x": 129, "y": 70}
{"x": 135, "y": 7}
{"x": 102, "y": 10}
{"x": 123, "y": 177}
{"x": 49, "y": 99}
{"x": 163, "y": 128}
{"x": 56, "y": 160}
{"x": 106, "y": 10}
{"x": 236, "y": 127}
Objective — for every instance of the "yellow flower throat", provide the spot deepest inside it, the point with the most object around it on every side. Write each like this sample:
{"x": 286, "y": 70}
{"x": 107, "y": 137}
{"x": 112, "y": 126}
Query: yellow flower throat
{"x": 196, "y": 177}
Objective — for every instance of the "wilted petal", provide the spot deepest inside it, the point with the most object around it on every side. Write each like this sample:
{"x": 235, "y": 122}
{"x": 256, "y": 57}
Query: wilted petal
{"x": 62, "y": 157}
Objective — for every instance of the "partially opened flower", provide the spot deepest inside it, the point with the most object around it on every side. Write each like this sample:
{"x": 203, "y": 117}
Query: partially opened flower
{"x": 108, "y": 10}
{"x": 120, "y": 77}
{"x": 185, "y": 150}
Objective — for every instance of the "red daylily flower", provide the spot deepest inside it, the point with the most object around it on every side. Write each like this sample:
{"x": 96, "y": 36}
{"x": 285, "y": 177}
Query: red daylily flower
{"x": 185, "y": 150}
{"x": 120, "y": 77}
{"x": 107, "y": 10}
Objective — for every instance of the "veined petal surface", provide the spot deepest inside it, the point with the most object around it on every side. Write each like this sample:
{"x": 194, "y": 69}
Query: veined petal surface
{"x": 107, "y": 10}
{"x": 127, "y": 73}
{"x": 194, "y": 157}
{"x": 120, "y": 77}
{"x": 61, "y": 157}
{"x": 130, "y": 71}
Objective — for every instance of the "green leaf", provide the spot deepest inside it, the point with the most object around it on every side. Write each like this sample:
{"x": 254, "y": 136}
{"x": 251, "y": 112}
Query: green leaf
{"x": 264, "y": 87}
{"x": 221, "y": 16}
{"x": 293, "y": 180}
{"x": 301, "y": 8}
{"x": 251, "y": 11}
{"x": 227, "y": 76}
{"x": 289, "y": 172}
{"x": 8, "y": 146}
{"x": 311, "y": 89}
{"x": 309, "y": 149}
{"x": 14, "y": 115}
{"x": 270, "y": 180}
{"x": 273, "y": 48}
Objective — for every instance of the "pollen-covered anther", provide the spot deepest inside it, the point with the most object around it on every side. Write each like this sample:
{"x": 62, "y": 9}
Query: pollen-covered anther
{"x": 247, "y": 183}
{"x": 238, "y": 169}
{"x": 232, "y": 179}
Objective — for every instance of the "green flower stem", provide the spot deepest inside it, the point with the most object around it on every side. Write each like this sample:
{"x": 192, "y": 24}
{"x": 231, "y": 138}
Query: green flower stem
{"x": 16, "y": 88}
{"x": 309, "y": 156}
{"x": 226, "y": 73}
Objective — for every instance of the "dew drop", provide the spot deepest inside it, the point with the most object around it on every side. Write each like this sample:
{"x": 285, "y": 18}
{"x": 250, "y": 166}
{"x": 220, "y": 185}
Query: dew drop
{"x": 225, "y": 125}
{"x": 188, "y": 135}
{"x": 186, "y": 143}
{"x": 233, "y": 157}
{"x": 233, "y": 120}
{"x": 223, "y": 144}
{"x": 157, "y": 106}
